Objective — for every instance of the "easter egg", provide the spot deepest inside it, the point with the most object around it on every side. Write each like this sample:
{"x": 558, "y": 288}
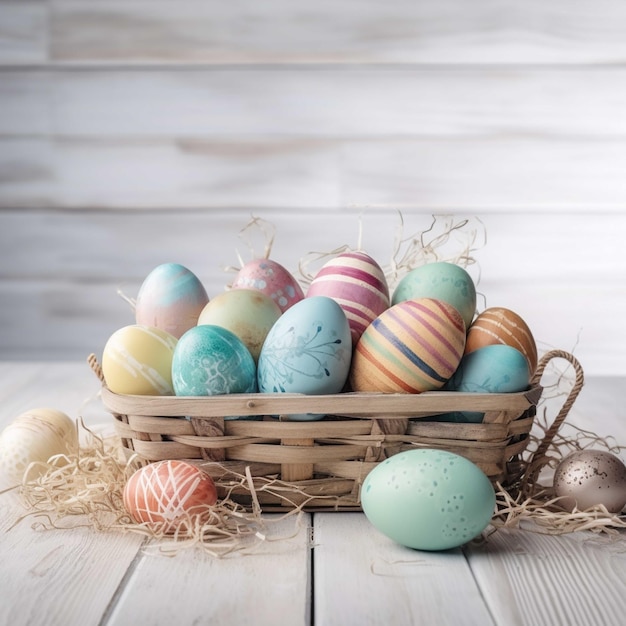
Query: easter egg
{"x": 247, "y": 313}
{"x": 166, "y": 494}
{"x": 414, "y": 346}
{"x": 443, "y": 281}
{"x": 211, "y": 360}
{"x": 34, "y": 437}
{"x": 357, "y": 283}
{"x": 498, "y": 325}
{"x": 170, "y": 298}
{"x": 428, "y": 499}
{"x": 308, "y": 350}
{"x": 138, "y": 360}
{"x": 272, "y": 279}
{"x": 587, "y": 478}
{"x": 496, "y": 368}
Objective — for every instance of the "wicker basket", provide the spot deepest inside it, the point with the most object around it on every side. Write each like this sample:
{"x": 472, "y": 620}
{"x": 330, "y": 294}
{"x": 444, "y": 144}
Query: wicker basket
{"x": 321, "y": 465}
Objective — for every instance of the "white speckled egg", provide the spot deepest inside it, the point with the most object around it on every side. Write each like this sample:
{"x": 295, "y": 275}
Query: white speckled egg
{"x": 587, "y": 478}
{"x": 170, "y": 298}
{"x": 308, "y": 350}
{"x": 428, "y": 499}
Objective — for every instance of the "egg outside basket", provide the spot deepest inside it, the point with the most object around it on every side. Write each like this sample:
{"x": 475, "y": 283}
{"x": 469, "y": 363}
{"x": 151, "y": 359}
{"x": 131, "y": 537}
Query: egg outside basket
{"x": 320, "y": 465}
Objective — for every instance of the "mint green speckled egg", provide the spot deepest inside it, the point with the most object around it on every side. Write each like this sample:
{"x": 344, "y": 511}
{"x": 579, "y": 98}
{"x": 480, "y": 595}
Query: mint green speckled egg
{"x": 428, "y": 499}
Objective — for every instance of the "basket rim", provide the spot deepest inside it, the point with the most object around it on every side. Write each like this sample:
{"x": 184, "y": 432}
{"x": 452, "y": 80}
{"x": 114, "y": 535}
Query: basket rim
{"x": 348, "y": 404}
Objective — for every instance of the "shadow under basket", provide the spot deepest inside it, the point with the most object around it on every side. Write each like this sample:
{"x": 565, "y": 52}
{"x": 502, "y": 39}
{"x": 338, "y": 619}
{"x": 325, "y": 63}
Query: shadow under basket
{"x": 274, "y": 463}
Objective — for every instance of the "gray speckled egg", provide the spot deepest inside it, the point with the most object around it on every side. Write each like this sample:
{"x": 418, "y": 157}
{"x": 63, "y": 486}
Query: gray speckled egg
{"x": 587, "y": 478}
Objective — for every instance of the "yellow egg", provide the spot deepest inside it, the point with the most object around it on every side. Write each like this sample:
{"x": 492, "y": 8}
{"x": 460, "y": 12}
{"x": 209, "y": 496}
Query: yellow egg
{"x": 247, "y": 313}
{"x": 34, "y": 437}
{"x": 138, "y": 360}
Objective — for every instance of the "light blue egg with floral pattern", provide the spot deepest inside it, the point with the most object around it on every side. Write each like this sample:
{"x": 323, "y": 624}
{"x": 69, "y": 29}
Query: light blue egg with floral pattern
{"x": 210, "y": 360}
{"x": 308, "y": 350}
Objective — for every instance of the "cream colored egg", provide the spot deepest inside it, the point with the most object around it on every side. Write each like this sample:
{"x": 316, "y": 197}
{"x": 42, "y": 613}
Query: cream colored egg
{"x": 34, "y": 437}
{"x": 138, "y": 360}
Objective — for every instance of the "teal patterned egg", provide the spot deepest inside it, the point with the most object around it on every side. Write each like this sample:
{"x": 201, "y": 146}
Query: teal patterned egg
{"x": 308, "y": 350}
{"x": 211, "y": 360}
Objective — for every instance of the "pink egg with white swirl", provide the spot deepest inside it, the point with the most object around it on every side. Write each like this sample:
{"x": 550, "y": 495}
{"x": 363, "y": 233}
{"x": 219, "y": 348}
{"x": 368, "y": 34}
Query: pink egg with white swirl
{"x": 358, "y": 284}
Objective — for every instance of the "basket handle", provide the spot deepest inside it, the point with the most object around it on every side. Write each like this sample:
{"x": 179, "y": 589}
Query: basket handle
{"x": 538, "y": 459}
{"x": 92, "y": 360}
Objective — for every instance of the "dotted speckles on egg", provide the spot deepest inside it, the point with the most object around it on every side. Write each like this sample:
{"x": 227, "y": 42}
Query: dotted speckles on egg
{"x": 428, "y": 499}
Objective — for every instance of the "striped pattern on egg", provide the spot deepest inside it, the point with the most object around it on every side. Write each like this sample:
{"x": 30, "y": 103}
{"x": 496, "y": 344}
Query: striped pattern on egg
{"x": 498, "y": 325}
{"x": 414, "y": 346}
{"x": 358, "y": 284}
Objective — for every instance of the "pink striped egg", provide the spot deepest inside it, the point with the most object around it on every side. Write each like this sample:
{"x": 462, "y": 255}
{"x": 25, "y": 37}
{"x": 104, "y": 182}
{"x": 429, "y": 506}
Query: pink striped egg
{"x": 357, "y": 283}
{"x": 413, "y": 346}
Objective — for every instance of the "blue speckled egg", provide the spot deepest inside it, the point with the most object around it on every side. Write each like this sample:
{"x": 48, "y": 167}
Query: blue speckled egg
{"x": 211, "y": 360}
{"x": 490, "y": 369}
{"x": 428, "y": 499}
{"x": 440, "y": 280}
{"x": 308, "y": 350}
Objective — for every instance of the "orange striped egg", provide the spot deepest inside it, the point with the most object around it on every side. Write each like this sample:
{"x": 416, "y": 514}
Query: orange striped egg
{"x": 357, "y": 283}
{"x": 414, "y": 346}
{"x": 498, "y": 325}
{"x": 164, "y": 494}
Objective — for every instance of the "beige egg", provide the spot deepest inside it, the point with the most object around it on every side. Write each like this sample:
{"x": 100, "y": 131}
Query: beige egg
{"x": 587, "y": 478}
{"x": 34, "y": 437}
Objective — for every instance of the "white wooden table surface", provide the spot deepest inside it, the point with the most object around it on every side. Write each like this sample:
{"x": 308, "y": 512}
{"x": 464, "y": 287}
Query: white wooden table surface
{"x": 334, "y": 568}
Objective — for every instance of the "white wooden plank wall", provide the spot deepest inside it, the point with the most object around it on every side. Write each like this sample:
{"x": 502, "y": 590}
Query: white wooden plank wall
{"x": 136, "y": 132}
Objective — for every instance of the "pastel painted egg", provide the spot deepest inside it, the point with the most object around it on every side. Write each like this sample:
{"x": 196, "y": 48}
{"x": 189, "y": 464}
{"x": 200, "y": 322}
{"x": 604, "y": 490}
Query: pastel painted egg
{"x": 211, "y": 360}
{"x": 272, "y": 279}
{"x": 428, "y": 499}
{"x": 138, "y": 360}
{"x": 588, "y": 478}
{"x": 34, "y": 437}
{"x": 308, "y": 350}
{"x": 167, "y": 494}
{"x": 247, "y": 313}
{"x": 496, "y": 368}
{"x": 501, "y": 325}
{"x": 414, "y": 346}
{"x": 443, "y": 281}
{"x": 170, "y": 298}
{"x": 357, "y": 283}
